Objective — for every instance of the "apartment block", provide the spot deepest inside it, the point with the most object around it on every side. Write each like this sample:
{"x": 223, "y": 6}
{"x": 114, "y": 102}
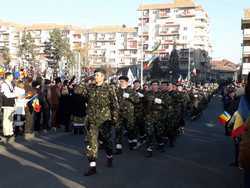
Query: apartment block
{"x": 114, "y": 46}
{"x": 41, "y": 34}
{"x": 245, "y": 26}
{"x": 182, "y": 24}
{"x": 10, "y": 37}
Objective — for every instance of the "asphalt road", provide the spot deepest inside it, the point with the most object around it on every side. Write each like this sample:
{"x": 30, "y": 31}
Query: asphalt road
{"x": 200, "y": 160}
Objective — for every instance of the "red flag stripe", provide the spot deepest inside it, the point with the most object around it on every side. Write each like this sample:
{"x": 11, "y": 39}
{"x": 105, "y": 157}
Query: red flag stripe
{"x": 239, "y": 131}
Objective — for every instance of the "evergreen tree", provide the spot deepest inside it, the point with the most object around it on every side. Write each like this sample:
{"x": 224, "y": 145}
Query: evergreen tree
{"x": 4, "y": 56}
{"x": 56, "y": 49}
{"x": 27, "y": 48}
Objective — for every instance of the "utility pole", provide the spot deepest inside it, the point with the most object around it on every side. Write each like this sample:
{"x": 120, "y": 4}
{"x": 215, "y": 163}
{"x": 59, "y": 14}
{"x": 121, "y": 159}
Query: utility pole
{"x": 189, "y": 66}
{"x": 142, "y": 58}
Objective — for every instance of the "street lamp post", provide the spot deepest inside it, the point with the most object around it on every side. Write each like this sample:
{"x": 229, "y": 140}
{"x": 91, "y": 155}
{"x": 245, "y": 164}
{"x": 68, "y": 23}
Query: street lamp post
{"x": 189, "y": 66}
{"x": 142, "y": 58}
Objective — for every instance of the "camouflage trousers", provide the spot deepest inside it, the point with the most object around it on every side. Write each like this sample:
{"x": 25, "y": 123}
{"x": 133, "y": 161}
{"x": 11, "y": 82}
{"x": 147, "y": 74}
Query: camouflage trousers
{"x": 171, "y": 127}
{"x": 140, "y": 126}
{"x": 127, "y": 124}
{"x": 154, "y": 129}
{"x": 102, "y": 132}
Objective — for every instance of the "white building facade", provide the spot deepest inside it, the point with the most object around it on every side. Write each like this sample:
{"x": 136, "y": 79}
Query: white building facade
{"x": 182, "y": 24}
{"x": 245, "y": 26}
{"x": 10, "y": 38}
{"x": 113, "y": 46}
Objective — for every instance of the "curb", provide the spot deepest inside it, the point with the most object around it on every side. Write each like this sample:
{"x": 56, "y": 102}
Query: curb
{"x": 30, "y": 137}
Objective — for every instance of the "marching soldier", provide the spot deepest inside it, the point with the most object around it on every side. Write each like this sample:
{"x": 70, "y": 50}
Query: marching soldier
{"x": 155, "y": 102}
{"x": 127, "y": 98}
{"x": 139, "y": 112}
{"x": 102, "y": 113}
{"x": 183, "y": 100}
{"x": 174, "y": 114}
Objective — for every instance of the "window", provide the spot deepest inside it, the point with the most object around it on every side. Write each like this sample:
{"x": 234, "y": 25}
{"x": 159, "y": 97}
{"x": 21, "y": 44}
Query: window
{"x": 145, "y": 46}
{"x": 145, "y": 12}
{"x": 164, "y": 46}
{"x": 164, "y": 56}
{"x": 145, "y": 21}
{"x": 156, "y": 12}
{"x": 176, "y": 37}
{"x": 164, "y": 29}
{"x": 133, "y": 52}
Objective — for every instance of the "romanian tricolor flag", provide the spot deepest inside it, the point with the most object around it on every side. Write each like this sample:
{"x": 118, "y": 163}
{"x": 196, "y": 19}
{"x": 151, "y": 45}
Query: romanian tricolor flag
{"x": 224, "y": 118}
{"x": 36, "y": 105}
{"x": 241, "y": 117}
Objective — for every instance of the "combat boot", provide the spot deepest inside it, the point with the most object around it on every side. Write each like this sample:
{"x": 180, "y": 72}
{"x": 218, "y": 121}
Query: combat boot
{"x": 171, "y": 143}
{"x": 118, "y": 149}
{"x": 130, "y": 144}
{"x": 149, "y": 153}
{"x": 110, "y": 161}
{"x": 161, "y": 147}
{"x": 91, "y": 170}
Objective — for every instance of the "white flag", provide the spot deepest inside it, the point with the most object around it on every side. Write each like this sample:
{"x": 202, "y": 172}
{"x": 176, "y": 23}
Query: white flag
{"x": 130, "y": 77}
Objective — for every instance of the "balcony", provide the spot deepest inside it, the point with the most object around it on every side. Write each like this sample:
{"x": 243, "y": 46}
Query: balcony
{"x": 164, "y": 15}
{"x": 246, "y": 37}
{"x": 77, "y": 45}
{"x": 246, "y": 50}
{"x": 132, "y": 46}
{"x": 201, "y": 25}
{"x": 145, "y": 14}
{"x": 77, "y": 36}
{"x": 169, "y": 33}
{"x": 245, "y": 24}
{"x": 186, "y": 13}
{"x": 105, "y": 39}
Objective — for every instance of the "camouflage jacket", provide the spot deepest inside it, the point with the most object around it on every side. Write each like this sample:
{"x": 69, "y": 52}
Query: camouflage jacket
{"x": 177, "y": 103}
{"x": 139, "y": 107}
{"x": 127, "y": 105}
{"x": 151, "y": 106}
{"x": 102, "y": 103}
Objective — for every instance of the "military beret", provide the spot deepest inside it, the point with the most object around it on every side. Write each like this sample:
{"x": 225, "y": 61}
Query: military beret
{"x": 136, "y": 81}
{"x": 123, "y": 78}
{"x": 154, "y": 81}
{"x": 164, "y": 82}
{"x": 100, "y": 70}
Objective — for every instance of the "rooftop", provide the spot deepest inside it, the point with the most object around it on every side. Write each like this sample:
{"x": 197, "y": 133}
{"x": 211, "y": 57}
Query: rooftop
{"x": 51, "y": 26}
{"x": 224, "y": 65}
{"x": 175, "y": 4}
{"x": 112, "y": 29}
{"x": 245, "y": 22}
{"x": 76, "y": 29}
{"x": 247, "y": 13}
{"x": 11, "y": 24}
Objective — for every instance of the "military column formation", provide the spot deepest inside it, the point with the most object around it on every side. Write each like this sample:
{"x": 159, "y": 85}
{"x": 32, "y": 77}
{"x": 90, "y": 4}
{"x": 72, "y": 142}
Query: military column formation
{"x": 154, "y": 115}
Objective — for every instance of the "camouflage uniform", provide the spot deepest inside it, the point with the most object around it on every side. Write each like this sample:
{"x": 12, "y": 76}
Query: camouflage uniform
{"x": 102, "y": 113}
{"x": 154, "y": 118}
{"x": 139, "y": 116}
{"x": 174, "y": 115}
{"x": 182, "y": 101}
{"x": 195, "y": 98}
{"x": 126, "y": 116}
